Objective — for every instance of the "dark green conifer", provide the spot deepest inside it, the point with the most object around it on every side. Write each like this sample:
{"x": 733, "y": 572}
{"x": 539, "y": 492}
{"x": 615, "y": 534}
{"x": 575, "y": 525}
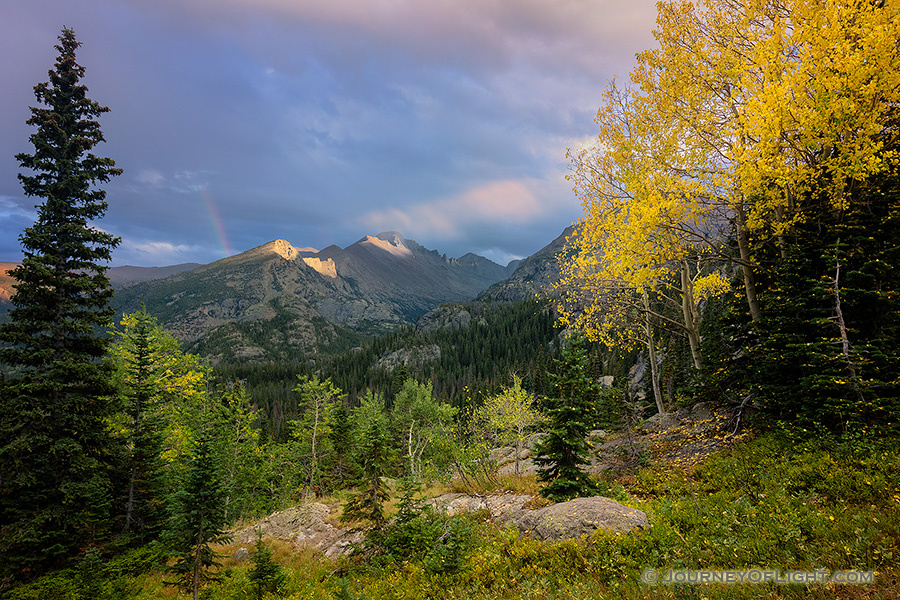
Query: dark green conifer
{"x": 266, "y": 576}
{"x": 571, "y": 414}
{"x": 90, "y": 576}
{"x": 373, "y": 459}
{"x": 826, "y": 351}
{"x": 339, "y": 434}
{"x": 56, "y": 396}
{"x": 197, "y": 520}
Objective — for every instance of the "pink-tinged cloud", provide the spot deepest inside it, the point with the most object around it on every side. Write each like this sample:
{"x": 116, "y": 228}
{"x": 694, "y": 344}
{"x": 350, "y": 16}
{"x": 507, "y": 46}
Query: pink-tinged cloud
{"x": 500, "y": 202}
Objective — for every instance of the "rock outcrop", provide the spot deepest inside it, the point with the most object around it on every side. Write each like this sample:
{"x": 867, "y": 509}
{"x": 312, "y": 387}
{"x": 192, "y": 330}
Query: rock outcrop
{"x": 564, "y": 520}
{"x": 411, "y": 357}
{"x": 502, "y": 507}
{"x": 307, "y": 526}
{"x": 581, "y": 516}
{"x": 312, "y": 525}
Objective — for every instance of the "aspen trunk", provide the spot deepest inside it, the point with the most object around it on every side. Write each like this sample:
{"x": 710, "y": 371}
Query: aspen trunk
{"x": 410, "y": 452}
{"x": 743, "y": 240}
{"x": 651, "y": 351}
{"x": 691, "y": 315}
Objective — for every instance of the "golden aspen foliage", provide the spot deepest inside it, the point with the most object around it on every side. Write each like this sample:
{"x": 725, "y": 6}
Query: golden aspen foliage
{"x": 745, "y": 109}
{"x": 507, "y": 417}
{"x": 178, "y": 380}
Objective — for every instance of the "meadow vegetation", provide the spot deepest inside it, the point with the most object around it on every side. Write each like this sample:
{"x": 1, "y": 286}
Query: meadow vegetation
{"x": 774, "y": 502}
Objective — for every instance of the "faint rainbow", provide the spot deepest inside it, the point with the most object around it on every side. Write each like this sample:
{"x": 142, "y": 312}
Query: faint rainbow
{"x": 217, "y": 222}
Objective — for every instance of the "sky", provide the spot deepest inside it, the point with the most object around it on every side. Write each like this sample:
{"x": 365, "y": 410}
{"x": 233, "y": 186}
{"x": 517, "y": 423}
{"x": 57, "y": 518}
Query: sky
{"x": 238, "y": 122}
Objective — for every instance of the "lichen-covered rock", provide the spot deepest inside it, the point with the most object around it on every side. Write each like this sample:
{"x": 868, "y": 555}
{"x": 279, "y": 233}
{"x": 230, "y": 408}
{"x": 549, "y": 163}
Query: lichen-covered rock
{"x": 502, "y": 455}
{"x": 526, "y": 466}
{"x": 307, "y": 526}
{"x": 502, "y": 507}
{"x": 581, "y": 516}
{"x": 563, "y": 520}
{"x": 241, "y": 554}
{"x": 660, "y": 422}
{"x": 701, "y": 412}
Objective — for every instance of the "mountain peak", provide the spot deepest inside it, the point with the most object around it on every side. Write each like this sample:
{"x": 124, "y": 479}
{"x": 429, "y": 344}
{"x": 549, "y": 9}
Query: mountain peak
{"x": 389, "y": 241}
{"x": 391, "y": 236}
{"x": 281, "y": 247}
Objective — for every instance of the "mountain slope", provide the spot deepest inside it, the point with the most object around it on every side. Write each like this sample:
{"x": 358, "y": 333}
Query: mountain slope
{"x": 118, "y": 276}
{"x": 129, "y": 275}
{"x": 276, "y": 297}
{"x": 535, "y": 275}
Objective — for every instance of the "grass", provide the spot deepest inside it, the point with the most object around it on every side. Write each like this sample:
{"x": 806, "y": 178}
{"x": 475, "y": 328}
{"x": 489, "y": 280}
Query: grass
{"x": 510, "y": 482}
{"x": 773, "y": 502}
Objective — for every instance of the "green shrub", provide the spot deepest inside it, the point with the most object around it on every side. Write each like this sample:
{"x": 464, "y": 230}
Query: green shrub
{"x": 412, "y": 538}
{"x": 266, "y": 576}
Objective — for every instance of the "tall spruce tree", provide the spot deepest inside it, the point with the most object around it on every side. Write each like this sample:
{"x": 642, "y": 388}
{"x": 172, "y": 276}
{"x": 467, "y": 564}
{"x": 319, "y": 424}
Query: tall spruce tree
{"x": 374, "y": 457}
{"x": 54, "y": 442}
{"x": 571, "y": 414}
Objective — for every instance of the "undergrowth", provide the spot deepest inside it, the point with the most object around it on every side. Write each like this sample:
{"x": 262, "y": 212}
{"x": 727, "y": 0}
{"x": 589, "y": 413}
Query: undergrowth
{"x": 772, "y": 503}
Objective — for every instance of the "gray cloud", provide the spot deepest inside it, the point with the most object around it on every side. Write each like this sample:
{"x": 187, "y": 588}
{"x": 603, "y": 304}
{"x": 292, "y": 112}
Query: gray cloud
{"x": 320, "y": 121}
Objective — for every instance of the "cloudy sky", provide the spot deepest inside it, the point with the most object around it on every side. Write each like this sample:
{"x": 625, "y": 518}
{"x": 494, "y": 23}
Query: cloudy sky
{"x": 321, "y": 121}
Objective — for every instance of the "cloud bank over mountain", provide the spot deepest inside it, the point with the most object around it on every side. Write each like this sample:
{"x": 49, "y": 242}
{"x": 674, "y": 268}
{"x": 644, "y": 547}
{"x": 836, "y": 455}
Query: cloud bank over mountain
{"x": 240, "y": 121}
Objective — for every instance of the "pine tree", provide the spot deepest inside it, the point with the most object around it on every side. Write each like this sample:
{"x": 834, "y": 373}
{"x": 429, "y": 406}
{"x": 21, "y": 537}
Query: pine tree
{"x": 197, "y": 520}
{"x": 339, "y": 435}
{"x": 266, "y": 576}
{"x": 571, "y": 413}
{"x": 142, "y": 359}
{"x": 90, "y": 576}
{"x": 374, "y": 457}
{"x": 826, "y": 354}
{"x": 54, "y": 443}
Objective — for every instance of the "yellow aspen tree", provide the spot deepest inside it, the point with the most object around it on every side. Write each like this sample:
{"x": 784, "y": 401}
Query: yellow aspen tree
{"x": 508, "y": 416}
{"x": 745, "y": 107}
{"x": 635, "y": 238}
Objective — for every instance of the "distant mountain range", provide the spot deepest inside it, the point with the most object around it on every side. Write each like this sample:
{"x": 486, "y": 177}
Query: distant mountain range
{"x": 276, "y": 299}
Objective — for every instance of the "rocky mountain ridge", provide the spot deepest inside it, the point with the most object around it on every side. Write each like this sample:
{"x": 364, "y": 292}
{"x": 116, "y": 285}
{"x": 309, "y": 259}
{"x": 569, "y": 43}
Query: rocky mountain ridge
{"x": 534, "y": 275}
{"x": 277, "y": 295}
